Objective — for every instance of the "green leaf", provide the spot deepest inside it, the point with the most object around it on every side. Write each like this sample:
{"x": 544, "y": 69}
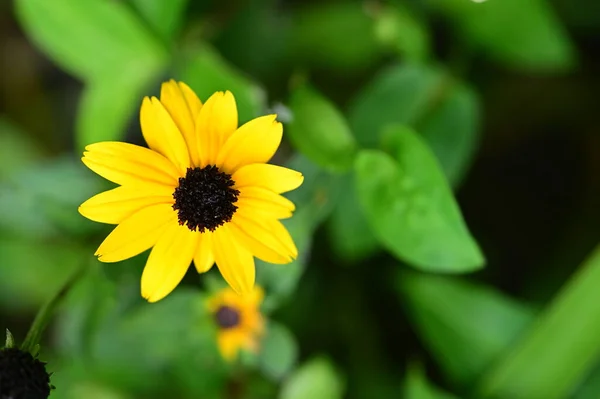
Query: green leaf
{"x": 445, "y": 111}
{"x": 87, "y": 307}
{"x": 318, "y": 130}
{"x": 33, "y": 271}
{"x": 165, "y": 17}
{"x": 521, "y": 34}
{"x": 42, "y": 200}
{"x": 560, "y": 349}
{"x": 108, "y": 105}
{"x": 123, "y": 340}
{"x": 10, "y": 340}
{"x": 410, "y": 206}
{"x": 318, "y": 31}
{"x": 398, "y": 29}
{"x": 17, "y": 150}
{"x": 90, "y": 38}
{"x": 206, "y": 72}
{"x": 105, "y": 44}
{"x": 400, "y": 94}
{"x": 75, "y": 379}
{"x": 451, "y": 131}
{"x": 315, "y": 379}
{"x": 46, "y": 313}
{"x": 417, "y": 386}
{"x": 129, "y": 348}
{"x": 278, "y": 351}
{"x": 590, "y": 387}
{"x": 258, "y": 38}
{"x": 346, "y": 219}
{"x": 465, "y": 326}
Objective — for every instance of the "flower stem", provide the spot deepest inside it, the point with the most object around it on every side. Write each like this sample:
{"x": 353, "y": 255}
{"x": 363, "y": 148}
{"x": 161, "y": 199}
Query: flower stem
{"x": 32, "y": 339}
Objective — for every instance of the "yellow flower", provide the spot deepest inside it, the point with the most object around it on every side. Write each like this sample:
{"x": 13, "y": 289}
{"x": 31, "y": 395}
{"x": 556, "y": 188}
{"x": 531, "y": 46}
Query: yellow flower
{"x": 202, "y": 192}
{"x": 238, "y": 319}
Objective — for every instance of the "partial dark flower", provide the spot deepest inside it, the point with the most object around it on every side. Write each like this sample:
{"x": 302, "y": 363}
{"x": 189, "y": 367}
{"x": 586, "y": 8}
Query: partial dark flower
{"x": 22, "y": 376}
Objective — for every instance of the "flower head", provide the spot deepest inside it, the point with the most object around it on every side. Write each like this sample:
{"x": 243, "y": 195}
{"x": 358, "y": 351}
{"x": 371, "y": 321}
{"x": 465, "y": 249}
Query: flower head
{"x": 201, "y": 192}
{"x": 238, "y": 319}
{"x": 22, "y": 375}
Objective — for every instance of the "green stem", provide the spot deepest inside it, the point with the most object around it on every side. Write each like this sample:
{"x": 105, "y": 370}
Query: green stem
{"x": 32, "y": 339}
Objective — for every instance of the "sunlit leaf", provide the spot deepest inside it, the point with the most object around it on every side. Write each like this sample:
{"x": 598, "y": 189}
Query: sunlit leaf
{"x": 90, "y": 38}
{"x": 410, "y": 206}
{"x": 315, "y": 379}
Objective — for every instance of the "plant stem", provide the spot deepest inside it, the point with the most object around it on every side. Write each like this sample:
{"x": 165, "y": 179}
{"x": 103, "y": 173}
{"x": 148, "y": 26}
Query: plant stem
{"x": 32, "y": 339}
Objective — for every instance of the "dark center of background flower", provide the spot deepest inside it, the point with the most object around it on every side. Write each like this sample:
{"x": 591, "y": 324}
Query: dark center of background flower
{"x": 227, "y": 317}
{"x": 22, "y": 376}
{"x": 204, "y": 199}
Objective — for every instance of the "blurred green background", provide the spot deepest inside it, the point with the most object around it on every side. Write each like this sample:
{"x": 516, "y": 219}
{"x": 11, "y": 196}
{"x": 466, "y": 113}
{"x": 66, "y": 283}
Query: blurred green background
{"x": 447, "y": 222}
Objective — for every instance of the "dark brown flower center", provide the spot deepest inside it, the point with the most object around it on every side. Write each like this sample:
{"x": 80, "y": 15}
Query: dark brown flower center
{"x": 22, "y": 376}
{"x": 227, "y": 317}
{"x": 204, "y": 199}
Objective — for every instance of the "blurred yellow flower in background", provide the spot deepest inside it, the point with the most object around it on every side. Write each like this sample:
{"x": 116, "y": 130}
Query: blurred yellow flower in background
{"x": 238, "y": 319}
{"x": 202, "y": 192}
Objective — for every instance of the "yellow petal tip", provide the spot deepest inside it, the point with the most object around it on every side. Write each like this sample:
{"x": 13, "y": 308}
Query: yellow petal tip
{"x": 150, "y": 299}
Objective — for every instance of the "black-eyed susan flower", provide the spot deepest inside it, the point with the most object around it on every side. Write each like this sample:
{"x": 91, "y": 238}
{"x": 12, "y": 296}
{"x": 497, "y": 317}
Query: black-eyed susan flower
{"x": 238, "y": 319}
{"x": 202, "y": 192}
{"x": 22, "y": 376}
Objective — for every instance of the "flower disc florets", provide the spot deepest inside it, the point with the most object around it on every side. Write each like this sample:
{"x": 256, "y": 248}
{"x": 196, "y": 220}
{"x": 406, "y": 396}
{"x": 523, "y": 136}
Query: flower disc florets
{"x": 204, "y": 199}
{"x": 22, "y": 376}
{"x": 227, "y": 317}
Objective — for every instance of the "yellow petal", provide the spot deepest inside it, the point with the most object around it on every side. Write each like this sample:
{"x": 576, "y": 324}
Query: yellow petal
{"x": 234, "y": 261}
{"x": 264, "y": 209}
{"x": 266, "y": 200}
{"x": 261, "y": 240}
{"x": 113, "y": 206}
{"x": 162, "y": 134}
{"x": 282, "y": 233}
{"x": 168, "y": 262}
{"x": 217, "y": 120}
{"x": 124, "y": 164}
{"x": 204, "y": 258}
{"x": 254, "y": 142}
{"x": 183, "y": 106}
{"x": 276, "y": 178}
{"x": 229, "y": 344}
{"x": 137, "y": 233}
{"x": 256, "y": 297}
{"x": 191, "y": 99}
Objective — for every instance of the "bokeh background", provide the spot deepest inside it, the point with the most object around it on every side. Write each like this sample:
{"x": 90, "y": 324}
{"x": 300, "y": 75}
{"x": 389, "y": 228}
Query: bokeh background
{"x": 497, "y": 100}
